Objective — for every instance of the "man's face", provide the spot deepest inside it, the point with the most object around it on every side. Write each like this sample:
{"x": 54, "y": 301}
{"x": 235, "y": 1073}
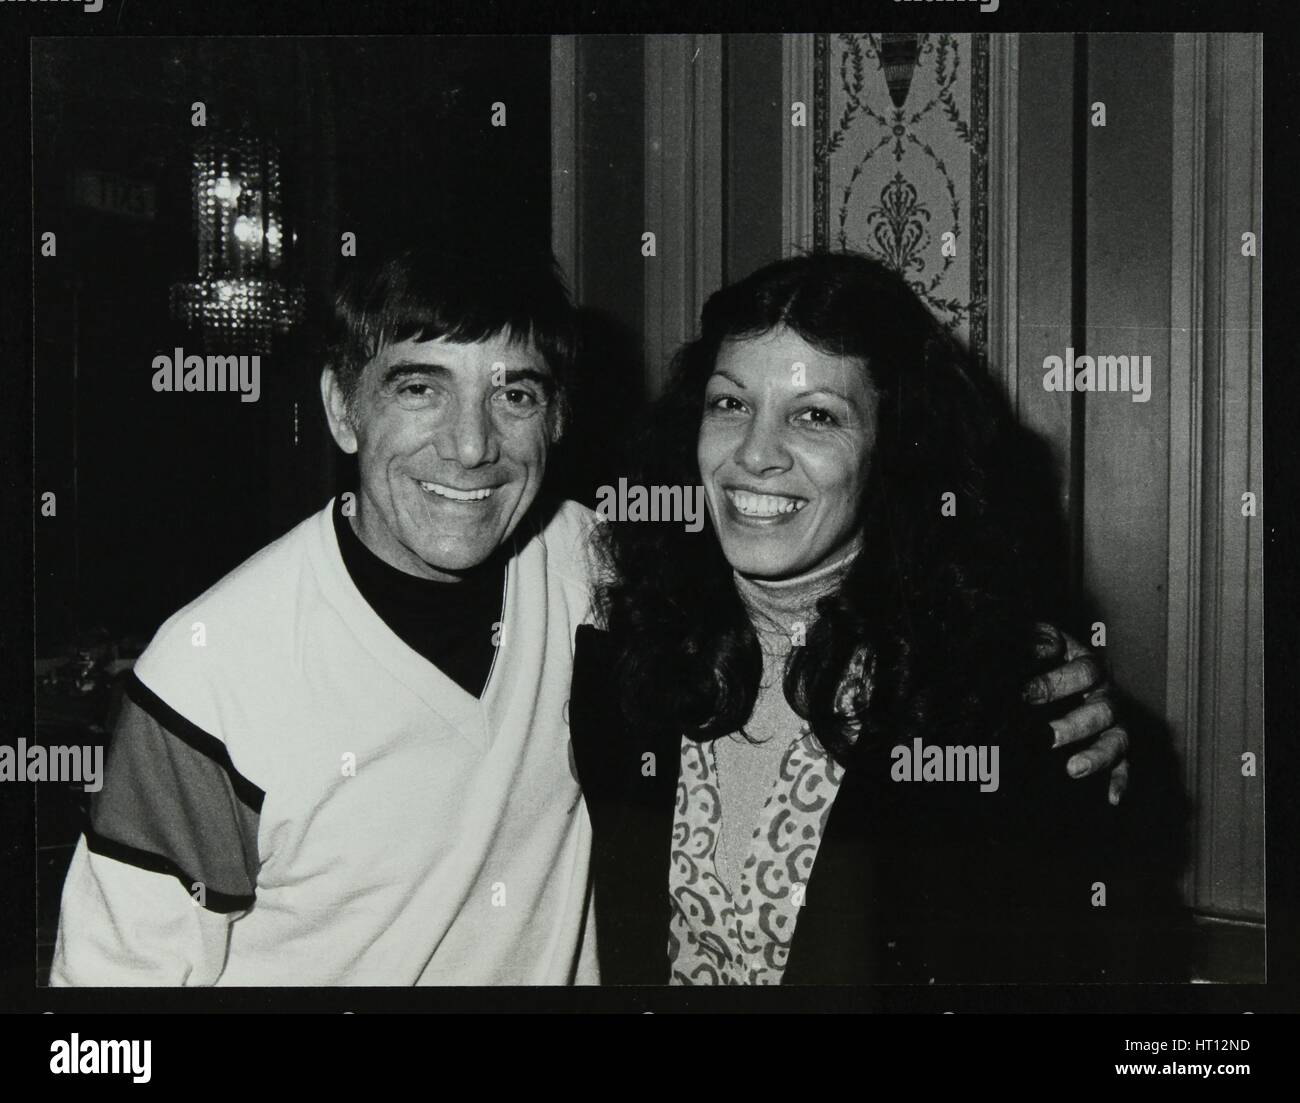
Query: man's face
{"x": 451, "y": 440}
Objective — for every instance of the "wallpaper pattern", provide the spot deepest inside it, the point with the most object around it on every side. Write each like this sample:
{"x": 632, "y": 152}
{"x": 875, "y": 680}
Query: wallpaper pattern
{"x": 901, "y": 159}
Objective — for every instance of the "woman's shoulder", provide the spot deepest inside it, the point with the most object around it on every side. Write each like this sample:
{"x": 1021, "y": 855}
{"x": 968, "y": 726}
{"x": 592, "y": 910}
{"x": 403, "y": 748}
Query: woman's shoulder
{"x": 592, "y": 646}
{"x": 593, "y": 696}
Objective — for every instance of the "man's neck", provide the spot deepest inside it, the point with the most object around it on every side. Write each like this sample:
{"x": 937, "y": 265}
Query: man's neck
{"x": 379, "y": 542}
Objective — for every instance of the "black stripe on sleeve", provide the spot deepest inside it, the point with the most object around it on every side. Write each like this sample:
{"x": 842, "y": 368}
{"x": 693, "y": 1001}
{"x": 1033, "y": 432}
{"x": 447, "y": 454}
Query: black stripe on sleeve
{"x": 193, "y": 736}
{"x": 214, "y": 901}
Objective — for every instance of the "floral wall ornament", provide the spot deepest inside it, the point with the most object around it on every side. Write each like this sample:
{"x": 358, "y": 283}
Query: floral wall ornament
{"x": 899, "y": 225}
{"x": 898, "y": 53}
{"x": 900, "y": 164}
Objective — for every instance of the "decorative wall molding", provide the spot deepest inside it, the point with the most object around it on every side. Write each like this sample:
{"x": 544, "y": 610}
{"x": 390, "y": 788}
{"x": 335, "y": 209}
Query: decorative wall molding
{"x": 1186, "y": 360}
{"x": 901, "y": 155}
{"x": 1214, "y": 686}
{"x": 797, "y": 143}
{"x": 1003, "y": 298}
{"x": 821, "y": 135}
{"x": 566, "y": 137}
{"x": 683, "y": 189}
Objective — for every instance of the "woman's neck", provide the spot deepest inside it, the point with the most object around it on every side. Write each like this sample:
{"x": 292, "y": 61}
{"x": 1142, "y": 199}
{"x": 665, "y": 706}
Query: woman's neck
{"x": 778, "y": 606}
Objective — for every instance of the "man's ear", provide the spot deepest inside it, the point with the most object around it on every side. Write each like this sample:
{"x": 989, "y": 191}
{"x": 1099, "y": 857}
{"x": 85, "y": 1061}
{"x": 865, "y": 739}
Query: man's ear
{"x": 559, "y": 421}
{"x": 336, "y": 411}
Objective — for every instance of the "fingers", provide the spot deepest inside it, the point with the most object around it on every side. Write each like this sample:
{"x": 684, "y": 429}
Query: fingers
{"x": 1118, "y": 782}
{"x": 1109, "y": 749}
{"x": 1075, "y": 676}
{"x": 1049, "y": 642}
{"x": 1078, "y": 671}
{"x": 1073, "y": 648}
{"x": 1091, "y": 718}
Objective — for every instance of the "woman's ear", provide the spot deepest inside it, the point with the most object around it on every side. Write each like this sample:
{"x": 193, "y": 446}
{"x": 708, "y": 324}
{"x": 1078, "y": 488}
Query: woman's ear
{"x": 336, "y": 411}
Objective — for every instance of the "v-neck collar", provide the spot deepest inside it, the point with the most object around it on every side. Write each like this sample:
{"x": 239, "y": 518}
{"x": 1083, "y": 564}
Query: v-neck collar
{"x": 468, "y": 714}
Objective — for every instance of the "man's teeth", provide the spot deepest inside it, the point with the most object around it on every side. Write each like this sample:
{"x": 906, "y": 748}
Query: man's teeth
{"x": 764, "y": 505}
{"x": 456, "y": 495}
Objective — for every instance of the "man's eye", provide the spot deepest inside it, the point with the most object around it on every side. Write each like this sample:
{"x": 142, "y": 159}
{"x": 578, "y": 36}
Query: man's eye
{"x": 516, "y": 396}
{"x": 415, "y": 395}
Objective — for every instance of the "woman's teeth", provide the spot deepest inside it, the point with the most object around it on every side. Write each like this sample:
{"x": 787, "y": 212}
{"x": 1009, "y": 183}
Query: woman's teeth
{"x": 456, "y": 495}
{"x": 764, "y": 505}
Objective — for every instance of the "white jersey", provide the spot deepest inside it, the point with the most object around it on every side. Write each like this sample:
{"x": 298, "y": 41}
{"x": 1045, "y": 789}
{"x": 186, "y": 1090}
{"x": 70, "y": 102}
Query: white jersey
{"x": 296, "y": 797}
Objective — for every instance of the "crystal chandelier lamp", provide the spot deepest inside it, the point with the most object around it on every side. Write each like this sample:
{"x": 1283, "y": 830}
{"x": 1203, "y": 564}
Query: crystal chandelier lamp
{"x": 239, "y": 299}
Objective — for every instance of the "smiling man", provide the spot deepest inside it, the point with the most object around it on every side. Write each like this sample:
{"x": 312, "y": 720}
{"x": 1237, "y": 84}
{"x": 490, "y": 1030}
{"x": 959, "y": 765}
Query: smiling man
{"x": 357, "y": 771}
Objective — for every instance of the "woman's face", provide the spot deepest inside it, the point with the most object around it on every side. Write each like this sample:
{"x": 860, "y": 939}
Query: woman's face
{"x": 784, "y": 449}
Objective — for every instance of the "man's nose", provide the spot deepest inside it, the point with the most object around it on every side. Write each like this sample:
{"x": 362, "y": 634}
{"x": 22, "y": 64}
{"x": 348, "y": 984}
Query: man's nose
{"x": 471, "y": 438}
{"x": 763, "y": 450}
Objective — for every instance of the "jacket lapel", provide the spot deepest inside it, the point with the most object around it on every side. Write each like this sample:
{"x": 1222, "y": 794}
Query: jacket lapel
{"x": 629, "y": 779}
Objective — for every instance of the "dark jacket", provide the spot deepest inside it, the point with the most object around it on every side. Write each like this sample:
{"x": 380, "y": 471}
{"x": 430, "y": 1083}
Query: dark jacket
{"x": 914, "y": 882}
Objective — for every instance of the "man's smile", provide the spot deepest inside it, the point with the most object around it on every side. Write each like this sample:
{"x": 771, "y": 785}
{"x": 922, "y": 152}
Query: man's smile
{"x": 453, "y": 494}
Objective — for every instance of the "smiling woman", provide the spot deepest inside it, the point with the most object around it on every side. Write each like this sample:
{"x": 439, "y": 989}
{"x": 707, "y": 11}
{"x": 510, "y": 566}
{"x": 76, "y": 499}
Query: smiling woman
{"x": 821, "y": 385}
{"x": 831, "y": 611}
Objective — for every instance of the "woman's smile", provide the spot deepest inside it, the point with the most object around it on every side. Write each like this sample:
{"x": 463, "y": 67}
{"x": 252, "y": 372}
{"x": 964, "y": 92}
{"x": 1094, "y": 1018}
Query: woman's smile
{"x": 784, "y": 450}
{"x": 757, "y": 505}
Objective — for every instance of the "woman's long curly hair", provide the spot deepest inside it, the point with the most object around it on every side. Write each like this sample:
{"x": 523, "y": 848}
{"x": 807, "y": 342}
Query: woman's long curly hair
{"x": 931, "y": 630}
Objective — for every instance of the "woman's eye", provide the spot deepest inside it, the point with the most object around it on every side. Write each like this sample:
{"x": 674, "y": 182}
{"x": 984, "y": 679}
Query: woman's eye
{"x": 818, "y": 417}
{"x": 726, "y": 404}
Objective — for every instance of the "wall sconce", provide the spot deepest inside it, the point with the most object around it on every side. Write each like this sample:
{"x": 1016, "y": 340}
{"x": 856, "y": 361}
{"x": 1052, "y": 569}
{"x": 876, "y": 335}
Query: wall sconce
{"x": 238, "y": 300}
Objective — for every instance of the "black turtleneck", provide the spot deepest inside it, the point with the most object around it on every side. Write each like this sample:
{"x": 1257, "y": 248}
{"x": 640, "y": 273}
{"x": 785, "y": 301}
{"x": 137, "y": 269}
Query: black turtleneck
{"x": 449, "y": 623}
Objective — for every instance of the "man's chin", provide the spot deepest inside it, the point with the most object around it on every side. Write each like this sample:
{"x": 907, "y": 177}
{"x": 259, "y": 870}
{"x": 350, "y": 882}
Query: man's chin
{"x": 458, "y": 558}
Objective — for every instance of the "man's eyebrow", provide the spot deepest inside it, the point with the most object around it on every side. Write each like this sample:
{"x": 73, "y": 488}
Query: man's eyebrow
{"x": 530, "y": 375}
{"x": 406, "y": 368}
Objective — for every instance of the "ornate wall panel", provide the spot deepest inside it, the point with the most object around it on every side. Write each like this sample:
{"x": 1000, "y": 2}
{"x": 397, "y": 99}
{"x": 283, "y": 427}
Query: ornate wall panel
{"x": 901, "y": 159}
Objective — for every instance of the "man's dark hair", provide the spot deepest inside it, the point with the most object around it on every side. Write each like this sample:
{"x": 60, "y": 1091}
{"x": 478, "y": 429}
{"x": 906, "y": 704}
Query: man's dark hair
{"x": 433, "y": 290}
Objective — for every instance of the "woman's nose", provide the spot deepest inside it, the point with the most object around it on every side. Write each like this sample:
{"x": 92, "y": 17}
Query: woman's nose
{"x": 763, "y": 449}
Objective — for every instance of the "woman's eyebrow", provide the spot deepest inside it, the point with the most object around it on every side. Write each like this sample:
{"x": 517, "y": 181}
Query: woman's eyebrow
{"x": 728, "y": 376}
{"x": 805, "y": 393}
{"x": 810, "y": 391}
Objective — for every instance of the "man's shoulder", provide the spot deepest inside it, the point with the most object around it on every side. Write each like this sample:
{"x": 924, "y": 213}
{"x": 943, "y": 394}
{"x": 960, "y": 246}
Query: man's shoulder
{"x": 564, "y": 528}
{"x": 243, "y": 607}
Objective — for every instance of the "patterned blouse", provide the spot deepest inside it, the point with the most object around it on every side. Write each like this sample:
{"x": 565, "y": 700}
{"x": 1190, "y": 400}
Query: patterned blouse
{"x": 715, "y": 938}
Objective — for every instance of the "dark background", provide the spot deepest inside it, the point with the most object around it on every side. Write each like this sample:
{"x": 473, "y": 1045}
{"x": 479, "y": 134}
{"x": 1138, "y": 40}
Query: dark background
{"x": 160, "y": 494}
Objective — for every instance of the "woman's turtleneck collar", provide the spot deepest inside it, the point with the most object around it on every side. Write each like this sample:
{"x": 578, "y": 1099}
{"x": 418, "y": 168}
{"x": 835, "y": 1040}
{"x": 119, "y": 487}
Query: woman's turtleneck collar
{"x": 776, "y": 605}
